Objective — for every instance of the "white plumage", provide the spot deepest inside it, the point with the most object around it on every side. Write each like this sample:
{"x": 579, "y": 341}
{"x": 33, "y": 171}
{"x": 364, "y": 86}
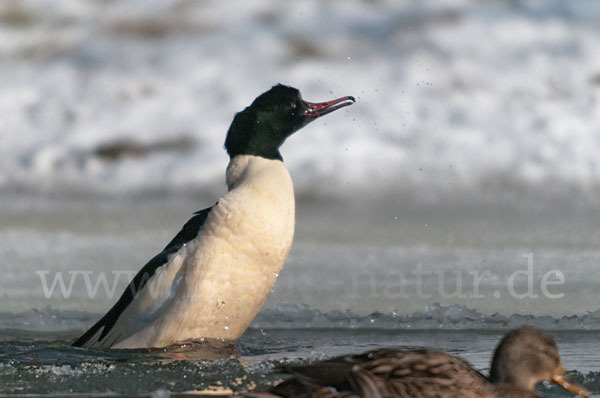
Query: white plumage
{"x": 224, "y": 275}
{"x": 211, "y": 280}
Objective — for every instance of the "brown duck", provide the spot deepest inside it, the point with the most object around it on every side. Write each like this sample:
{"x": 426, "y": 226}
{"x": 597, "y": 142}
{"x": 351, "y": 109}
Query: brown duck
{"x": 524, "y": 357}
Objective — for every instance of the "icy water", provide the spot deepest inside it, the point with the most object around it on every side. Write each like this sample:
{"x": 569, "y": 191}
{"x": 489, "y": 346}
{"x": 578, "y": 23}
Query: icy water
{"x": 335, "y": 296}
{"x": 42, "y": 363}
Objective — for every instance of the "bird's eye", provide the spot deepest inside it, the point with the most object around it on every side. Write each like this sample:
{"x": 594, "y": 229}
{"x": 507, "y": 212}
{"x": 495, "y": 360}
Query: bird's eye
{"x": 292, "y": 108}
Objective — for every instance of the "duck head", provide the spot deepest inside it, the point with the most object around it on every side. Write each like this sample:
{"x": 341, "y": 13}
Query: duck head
{"x": 528, "y": 356}
{"x": 261, "y": 128}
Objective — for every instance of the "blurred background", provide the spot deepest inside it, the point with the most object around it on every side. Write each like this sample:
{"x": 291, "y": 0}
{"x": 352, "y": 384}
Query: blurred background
{"x": 457, "y": 198}
{"x": 473, "y": 143}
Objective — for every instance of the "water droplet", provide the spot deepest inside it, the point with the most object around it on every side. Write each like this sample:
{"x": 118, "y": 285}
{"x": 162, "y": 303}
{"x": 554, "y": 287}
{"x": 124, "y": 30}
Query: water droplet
{"x": 226, "y": 327}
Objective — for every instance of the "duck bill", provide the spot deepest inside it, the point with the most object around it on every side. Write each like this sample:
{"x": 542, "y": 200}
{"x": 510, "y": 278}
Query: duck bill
{"x": 316, "y": 110}
{"x": 560, "y": 379}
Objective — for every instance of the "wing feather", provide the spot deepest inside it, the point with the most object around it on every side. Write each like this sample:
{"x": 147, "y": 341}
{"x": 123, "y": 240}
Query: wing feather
{"x": 152, "y": 280}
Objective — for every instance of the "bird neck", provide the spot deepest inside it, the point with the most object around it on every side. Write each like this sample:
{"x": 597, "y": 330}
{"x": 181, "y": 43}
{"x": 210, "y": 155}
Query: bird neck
{"x": 502, "y": 372}
{"x": 244, "y": 168}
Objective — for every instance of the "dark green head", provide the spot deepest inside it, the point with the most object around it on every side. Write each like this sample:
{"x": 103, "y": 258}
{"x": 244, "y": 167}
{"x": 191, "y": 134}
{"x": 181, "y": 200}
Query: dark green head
{"x": 261, "y": 128}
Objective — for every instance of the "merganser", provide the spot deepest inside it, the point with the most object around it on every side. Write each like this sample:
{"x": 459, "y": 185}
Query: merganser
{"x": 211, "y": 280}
{"x": 523, "y": 358}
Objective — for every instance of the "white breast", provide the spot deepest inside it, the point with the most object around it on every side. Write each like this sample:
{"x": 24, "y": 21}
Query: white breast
{"x": 227, "y": 272}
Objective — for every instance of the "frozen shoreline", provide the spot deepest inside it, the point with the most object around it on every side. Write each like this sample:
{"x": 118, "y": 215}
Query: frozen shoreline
{"x": 300, "y": 316}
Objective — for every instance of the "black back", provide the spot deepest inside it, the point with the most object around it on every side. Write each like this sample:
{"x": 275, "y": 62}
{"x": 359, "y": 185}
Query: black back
{"x": 189, "y": 231}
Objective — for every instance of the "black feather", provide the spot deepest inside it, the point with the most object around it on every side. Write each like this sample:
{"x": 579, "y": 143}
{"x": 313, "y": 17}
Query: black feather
{"x": 189, "y": 231}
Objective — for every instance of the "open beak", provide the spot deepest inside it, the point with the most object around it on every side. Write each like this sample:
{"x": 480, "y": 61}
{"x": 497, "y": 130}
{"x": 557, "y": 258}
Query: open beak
{"x": 560, "y": 379}
{"x": 315, "y": 110}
